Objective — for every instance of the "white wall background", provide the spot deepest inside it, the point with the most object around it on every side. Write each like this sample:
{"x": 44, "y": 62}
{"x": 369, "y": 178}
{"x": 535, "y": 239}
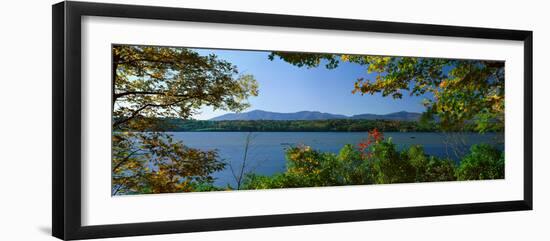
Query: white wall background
{"x": 25, "y": 119}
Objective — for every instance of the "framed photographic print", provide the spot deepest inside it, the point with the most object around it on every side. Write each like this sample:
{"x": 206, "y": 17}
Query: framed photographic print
{"x": 170, "y": 120}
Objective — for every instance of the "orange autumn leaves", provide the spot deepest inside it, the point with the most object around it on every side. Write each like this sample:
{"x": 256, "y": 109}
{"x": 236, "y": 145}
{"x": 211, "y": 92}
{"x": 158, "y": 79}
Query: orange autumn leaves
{"x": 374, "y": 136}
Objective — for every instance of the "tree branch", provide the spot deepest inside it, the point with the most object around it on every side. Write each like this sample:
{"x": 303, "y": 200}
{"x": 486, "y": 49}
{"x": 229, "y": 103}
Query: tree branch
{"x": 136, "y": 112}
{"x": 125, "y": 159}
{"x": 118, "y": 95}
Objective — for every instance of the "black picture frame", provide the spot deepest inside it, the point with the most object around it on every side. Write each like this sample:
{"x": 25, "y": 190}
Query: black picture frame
{"x": 66, "y": 128}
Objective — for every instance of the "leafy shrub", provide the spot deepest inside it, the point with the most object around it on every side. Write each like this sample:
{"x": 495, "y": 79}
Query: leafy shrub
{"x": 390, "y": 166}
{"x": 205, "y": 187}
{"x": 310, "y": 168}
{"x": 354, "y": 168}
{"x": 483, "y": 162}
{"x": 377, "y": 162}
{"x": 430, "y": 168}
{"x": 156, "y": 163}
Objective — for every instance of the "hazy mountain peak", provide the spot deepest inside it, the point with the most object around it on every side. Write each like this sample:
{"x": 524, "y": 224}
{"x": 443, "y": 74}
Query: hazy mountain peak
{"x": 314, "y": 115}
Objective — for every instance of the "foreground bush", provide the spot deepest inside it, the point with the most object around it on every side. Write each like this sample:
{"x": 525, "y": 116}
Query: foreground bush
{"x": 390, "y": 166}
{"x": 377, "y": 161}
{"x": 483, "y": 162}
{"x": 310, "y": 168}
{"x": 430, "y": 168}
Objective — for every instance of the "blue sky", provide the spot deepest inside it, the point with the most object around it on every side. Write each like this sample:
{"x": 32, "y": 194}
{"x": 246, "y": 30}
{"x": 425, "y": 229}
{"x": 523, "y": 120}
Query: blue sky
{"x": 287, "y": 88}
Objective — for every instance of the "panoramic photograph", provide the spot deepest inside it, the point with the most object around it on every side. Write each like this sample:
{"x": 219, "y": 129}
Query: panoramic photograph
{"x": 197, "y": 119}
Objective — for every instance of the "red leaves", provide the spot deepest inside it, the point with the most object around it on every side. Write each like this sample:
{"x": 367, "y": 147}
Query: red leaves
{"x": 374, "y": 137}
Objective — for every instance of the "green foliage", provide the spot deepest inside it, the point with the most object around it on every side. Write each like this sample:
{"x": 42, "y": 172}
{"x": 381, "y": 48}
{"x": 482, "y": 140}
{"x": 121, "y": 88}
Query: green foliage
{"x": 205, "y": 187}
{"x": 429, "y": 168}
{"x": 173, "y": 82}
{"x": 280, "y": 180}
{"x": 151, "y": 82}
{"x": 353, "y": 168}
{"x": 310, "y": 168}
{"x": 389, "y": 164}
{"x": 155, "y": 163}
{"x": 306, "y": 59}
{"x": 462, "y": 90}
{"x": 483, "y": 162}
{"x": 380, "y": 164}
{"x": 156, "y": 89}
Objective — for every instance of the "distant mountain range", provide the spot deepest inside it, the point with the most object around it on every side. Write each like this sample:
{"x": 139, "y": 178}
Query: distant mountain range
{"x": 314, "y": 115}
